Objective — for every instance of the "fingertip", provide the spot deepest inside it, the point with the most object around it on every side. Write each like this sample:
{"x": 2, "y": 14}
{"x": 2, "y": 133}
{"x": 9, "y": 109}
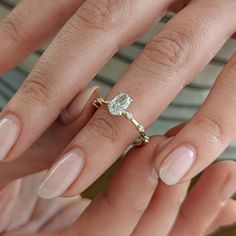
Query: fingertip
{"x": 10, "y": 127}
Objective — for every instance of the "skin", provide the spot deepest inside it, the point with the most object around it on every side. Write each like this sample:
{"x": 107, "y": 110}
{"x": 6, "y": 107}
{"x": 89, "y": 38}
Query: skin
{"x": 126, "y": 207}
{"x": 152, "y": 208}
{"x": 41, "y": 155}
{"x": 175, "y": 55}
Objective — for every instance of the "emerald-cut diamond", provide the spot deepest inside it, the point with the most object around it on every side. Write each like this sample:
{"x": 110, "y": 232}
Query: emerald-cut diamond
{"x": 119, "y": 104}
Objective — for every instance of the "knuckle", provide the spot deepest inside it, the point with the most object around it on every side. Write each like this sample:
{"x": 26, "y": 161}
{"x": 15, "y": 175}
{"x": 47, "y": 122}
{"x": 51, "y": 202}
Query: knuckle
{"x": 212, "y": 128}
{"x": 34, "y": 90}
{"x": 104, "y": 125}
{"x": 37, "y": 87}
{"x": 103, "y": 15}
{"x": 171, "y": 49}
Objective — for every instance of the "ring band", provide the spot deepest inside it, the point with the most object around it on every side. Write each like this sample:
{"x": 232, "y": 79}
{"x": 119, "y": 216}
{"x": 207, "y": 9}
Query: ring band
{"x": 117, "y": 107}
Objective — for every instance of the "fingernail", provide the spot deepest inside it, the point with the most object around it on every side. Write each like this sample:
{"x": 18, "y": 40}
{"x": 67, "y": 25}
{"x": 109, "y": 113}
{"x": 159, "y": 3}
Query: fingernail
{"x": 9, "y": 132}
{"x": 62, "y": 174}
{"x": 177, "y": 164}
{"x": 77, "y": 105}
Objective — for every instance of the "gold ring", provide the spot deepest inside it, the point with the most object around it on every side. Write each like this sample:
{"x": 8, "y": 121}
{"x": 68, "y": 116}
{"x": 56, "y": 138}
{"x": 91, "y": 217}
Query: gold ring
{"x": 117, "y": 107}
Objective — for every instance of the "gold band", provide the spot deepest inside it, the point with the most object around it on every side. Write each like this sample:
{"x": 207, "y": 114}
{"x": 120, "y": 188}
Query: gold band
{"x": 118, "y": 106}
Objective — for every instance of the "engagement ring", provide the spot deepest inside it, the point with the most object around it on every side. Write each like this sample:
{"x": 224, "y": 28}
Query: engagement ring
{"x": 117, "y": 107}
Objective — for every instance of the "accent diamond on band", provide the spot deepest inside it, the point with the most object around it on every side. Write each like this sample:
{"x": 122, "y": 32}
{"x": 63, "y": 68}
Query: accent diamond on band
{"x": 117, "y": 107}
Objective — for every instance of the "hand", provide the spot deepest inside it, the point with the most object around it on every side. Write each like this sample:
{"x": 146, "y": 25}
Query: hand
{"x": 45, "y": 151}
{"x": 89, "y": 38}
{"x": 135, "y": 203}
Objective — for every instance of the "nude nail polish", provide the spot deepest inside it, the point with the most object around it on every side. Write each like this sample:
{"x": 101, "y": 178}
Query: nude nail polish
{"x": 176, "y": 165}
{"x": 9, "y": 132}
{"x": 77, "y": 105}
{"x": 62, "y": 175}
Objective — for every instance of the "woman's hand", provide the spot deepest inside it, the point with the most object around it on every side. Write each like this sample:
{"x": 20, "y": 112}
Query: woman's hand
{"x": 97, "y": 29}
{"x": 135, "y": 203}
{"x": 45, "y": 151}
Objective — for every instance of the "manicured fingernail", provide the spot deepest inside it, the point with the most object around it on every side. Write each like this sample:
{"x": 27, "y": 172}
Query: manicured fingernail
{"x": 9, "y": 132}
{"x": 77, "y": 105}
{"x": 62, "y": 174}
{"x": 177, "y": 164}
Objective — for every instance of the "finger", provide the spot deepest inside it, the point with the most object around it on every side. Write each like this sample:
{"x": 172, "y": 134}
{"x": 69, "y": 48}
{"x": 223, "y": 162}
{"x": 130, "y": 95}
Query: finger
{"x": 45, "y": 151}
{"x": 29, "y": 213}
{"x": 213, "y": 129}
{"x": 226, "y": 216}
{"x": 26, "y": 28}
{"x": 161, "y": 213}
{"x": 206, "y": 199}
{"x": 175, "y": 130}
{"x": 65, "y": 218}
{"x": 178, "y": 5}
{"x": 90, "y": 37}
{"x": 117, "y": 210}
{"x": 8, "y": 197}
{"x": 176, "y": 54}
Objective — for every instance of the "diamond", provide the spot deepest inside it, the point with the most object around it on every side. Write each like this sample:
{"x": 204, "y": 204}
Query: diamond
{"x": 119, "y": 104}
{"x": 141, "y": 128}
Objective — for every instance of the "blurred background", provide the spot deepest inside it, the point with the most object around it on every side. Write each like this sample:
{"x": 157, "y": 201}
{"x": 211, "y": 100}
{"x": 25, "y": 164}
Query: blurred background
{"x": 180, "y": 110}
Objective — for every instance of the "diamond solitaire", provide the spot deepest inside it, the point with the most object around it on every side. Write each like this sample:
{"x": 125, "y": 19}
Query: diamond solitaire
{"x": 117, "y": 107}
